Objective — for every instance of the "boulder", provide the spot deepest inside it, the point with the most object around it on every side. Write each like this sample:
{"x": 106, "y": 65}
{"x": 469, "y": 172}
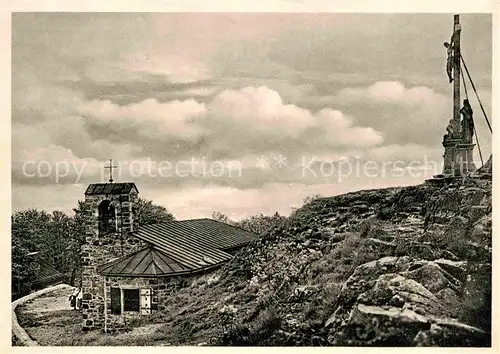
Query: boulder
{"x": 458, "y": 269}
{"x": 399, "y": 301}
{"x": 379, "y": 326}
{"x": 365, "y": 276}
{"x": 432, "y": 277}
{"x": 397, "y": 290}
{"x": 451, "y": 333}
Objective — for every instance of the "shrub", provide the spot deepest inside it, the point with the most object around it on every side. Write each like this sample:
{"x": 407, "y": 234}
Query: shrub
{"x": 349, "y": 254}
{"x": 266, "y": 323}
{"x": 365, "y": 227}
{"x": 385, "y": 213}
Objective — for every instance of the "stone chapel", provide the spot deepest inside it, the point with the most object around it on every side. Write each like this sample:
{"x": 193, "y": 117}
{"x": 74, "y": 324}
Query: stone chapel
{"x": 127, "y": 268}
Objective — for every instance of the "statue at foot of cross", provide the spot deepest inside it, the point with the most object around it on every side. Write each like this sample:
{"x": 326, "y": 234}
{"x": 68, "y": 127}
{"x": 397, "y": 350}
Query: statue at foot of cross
{"x": 467, "y": 122}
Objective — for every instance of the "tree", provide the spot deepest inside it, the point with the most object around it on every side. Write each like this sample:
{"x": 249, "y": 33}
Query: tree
{"x": 29, "y": 231}
{"x": 256, "y": 223}
{"x": 23, "y": 270}
{"x": 148, "y": 213}
{"x": 261, "y": 223}
{"x": 218, "y": 216}
{"x": 55, "y": 249}
{"x": 58, "y": 239}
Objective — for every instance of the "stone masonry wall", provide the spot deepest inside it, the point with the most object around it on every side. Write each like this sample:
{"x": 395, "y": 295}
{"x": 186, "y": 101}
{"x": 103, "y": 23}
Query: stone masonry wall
{"x": 100, "y": 249}
{"x": 161, "y": 289}
{"x": 158, "y": 288}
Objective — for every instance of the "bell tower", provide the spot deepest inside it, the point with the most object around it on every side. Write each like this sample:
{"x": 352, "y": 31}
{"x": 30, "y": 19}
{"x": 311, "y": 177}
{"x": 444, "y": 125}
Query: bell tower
{"x": 108, "y": 236}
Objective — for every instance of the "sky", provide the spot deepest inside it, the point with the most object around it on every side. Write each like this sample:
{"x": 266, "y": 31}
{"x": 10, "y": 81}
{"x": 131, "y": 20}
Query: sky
{"x": 238, "y": 113}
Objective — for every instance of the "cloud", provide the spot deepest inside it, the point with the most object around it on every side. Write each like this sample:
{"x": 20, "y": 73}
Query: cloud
{"x": 149, "y": 117}
{"x": 232, "y": 124}
{"x": 271, "y": 117}
{"x": 52, "y": 165}
{"x": 234, "y": 127}
{"x": 390, "y": 92}
{"x": 402, "y": 114}
{"x": 405, "y": 152}
{"x": 177, "y": 68}
{"x": 341, "y": 130}
{"x": 262, "y": 107}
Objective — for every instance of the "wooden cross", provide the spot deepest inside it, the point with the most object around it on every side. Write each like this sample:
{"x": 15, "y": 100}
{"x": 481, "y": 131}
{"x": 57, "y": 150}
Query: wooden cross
{"x": 110, "y": 170}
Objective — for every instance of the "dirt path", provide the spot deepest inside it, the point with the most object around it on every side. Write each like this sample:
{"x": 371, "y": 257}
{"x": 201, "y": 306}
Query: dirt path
{"x": 55, "y": 301}
{"x": 48, "y": 320}
{"x": 49, "y": 299}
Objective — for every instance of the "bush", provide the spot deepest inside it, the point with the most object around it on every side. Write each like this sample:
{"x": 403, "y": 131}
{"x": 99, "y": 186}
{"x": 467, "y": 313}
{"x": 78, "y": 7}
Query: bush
{"x": 349, "y": 254}
{"x": 266, "y": 323}
{"x": 365, "y": 228}
{"x": 385, "y": 213}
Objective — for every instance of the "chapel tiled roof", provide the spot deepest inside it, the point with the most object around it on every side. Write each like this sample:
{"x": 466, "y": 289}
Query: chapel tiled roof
{"x": 148, "y": 262}
{"x": 110, "y": 188}
{"x": 189, "y": 246}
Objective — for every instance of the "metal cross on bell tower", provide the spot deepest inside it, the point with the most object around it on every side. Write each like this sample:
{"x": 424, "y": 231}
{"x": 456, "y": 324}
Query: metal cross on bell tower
{"x": 110, "y": 167}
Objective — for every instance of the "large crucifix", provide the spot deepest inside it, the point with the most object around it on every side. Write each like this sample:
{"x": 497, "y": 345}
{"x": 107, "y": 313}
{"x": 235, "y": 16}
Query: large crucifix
{"x": 110, "y": 167}
{"x": 456, "y": 71}
{"x": 458, "y": 155}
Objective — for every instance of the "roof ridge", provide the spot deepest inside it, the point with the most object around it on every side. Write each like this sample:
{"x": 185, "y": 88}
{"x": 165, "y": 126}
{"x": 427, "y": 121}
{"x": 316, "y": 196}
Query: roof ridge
{"x": 118, "y": 259}
{"x": 181, "y": 247}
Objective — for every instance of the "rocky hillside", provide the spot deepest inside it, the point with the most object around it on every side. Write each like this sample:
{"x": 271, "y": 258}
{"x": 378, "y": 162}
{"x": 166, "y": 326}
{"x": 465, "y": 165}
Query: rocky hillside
{"x": 403, "y": 266}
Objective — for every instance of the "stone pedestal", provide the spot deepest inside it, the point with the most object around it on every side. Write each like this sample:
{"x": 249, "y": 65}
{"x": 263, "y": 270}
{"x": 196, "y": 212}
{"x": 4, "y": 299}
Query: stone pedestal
{"x": 458, "y": 157}
{"x": 465, "y": 158}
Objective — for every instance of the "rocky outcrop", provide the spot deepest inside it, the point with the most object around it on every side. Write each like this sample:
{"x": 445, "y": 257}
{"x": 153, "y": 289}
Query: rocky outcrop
{"x": 406, "y": 266}
{"x": 400, "y": 301}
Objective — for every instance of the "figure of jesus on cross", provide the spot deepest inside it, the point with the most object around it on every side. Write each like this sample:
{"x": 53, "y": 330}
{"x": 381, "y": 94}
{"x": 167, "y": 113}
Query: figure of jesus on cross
{"x": 110, "y": 167}
{"x": 453, "y": 51}
{"x": 449, "y": 59}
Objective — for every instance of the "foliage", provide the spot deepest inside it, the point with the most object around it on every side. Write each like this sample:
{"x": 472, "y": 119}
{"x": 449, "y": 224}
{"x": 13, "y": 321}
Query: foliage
{"x": 289, "y": 286}
{"x": 261, "y": 223}
{"x": 57, "y": 238}
{"x": 310, "y": 199}
{"x": 218, "y": 216}
{"x": 258, "y": 224}
{"x": 35, "y": 231}
{"x": 385, "y": 213}
{"x": 148, "y": 213}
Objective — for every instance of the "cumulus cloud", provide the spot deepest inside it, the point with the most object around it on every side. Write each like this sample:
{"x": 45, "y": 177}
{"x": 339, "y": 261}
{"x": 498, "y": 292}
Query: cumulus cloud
{"x": 402, "y": 114}
{"x": 149, "y": 117}
{"x": 232, "y": 123}
{"x": 261, "y": 109}
{"x": 340, "y": 129}
{"x": 390, "y": 92}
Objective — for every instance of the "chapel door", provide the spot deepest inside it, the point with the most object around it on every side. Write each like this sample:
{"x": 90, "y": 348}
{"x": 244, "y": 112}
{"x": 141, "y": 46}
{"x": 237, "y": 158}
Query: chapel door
{"x": 145, "y": 301}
